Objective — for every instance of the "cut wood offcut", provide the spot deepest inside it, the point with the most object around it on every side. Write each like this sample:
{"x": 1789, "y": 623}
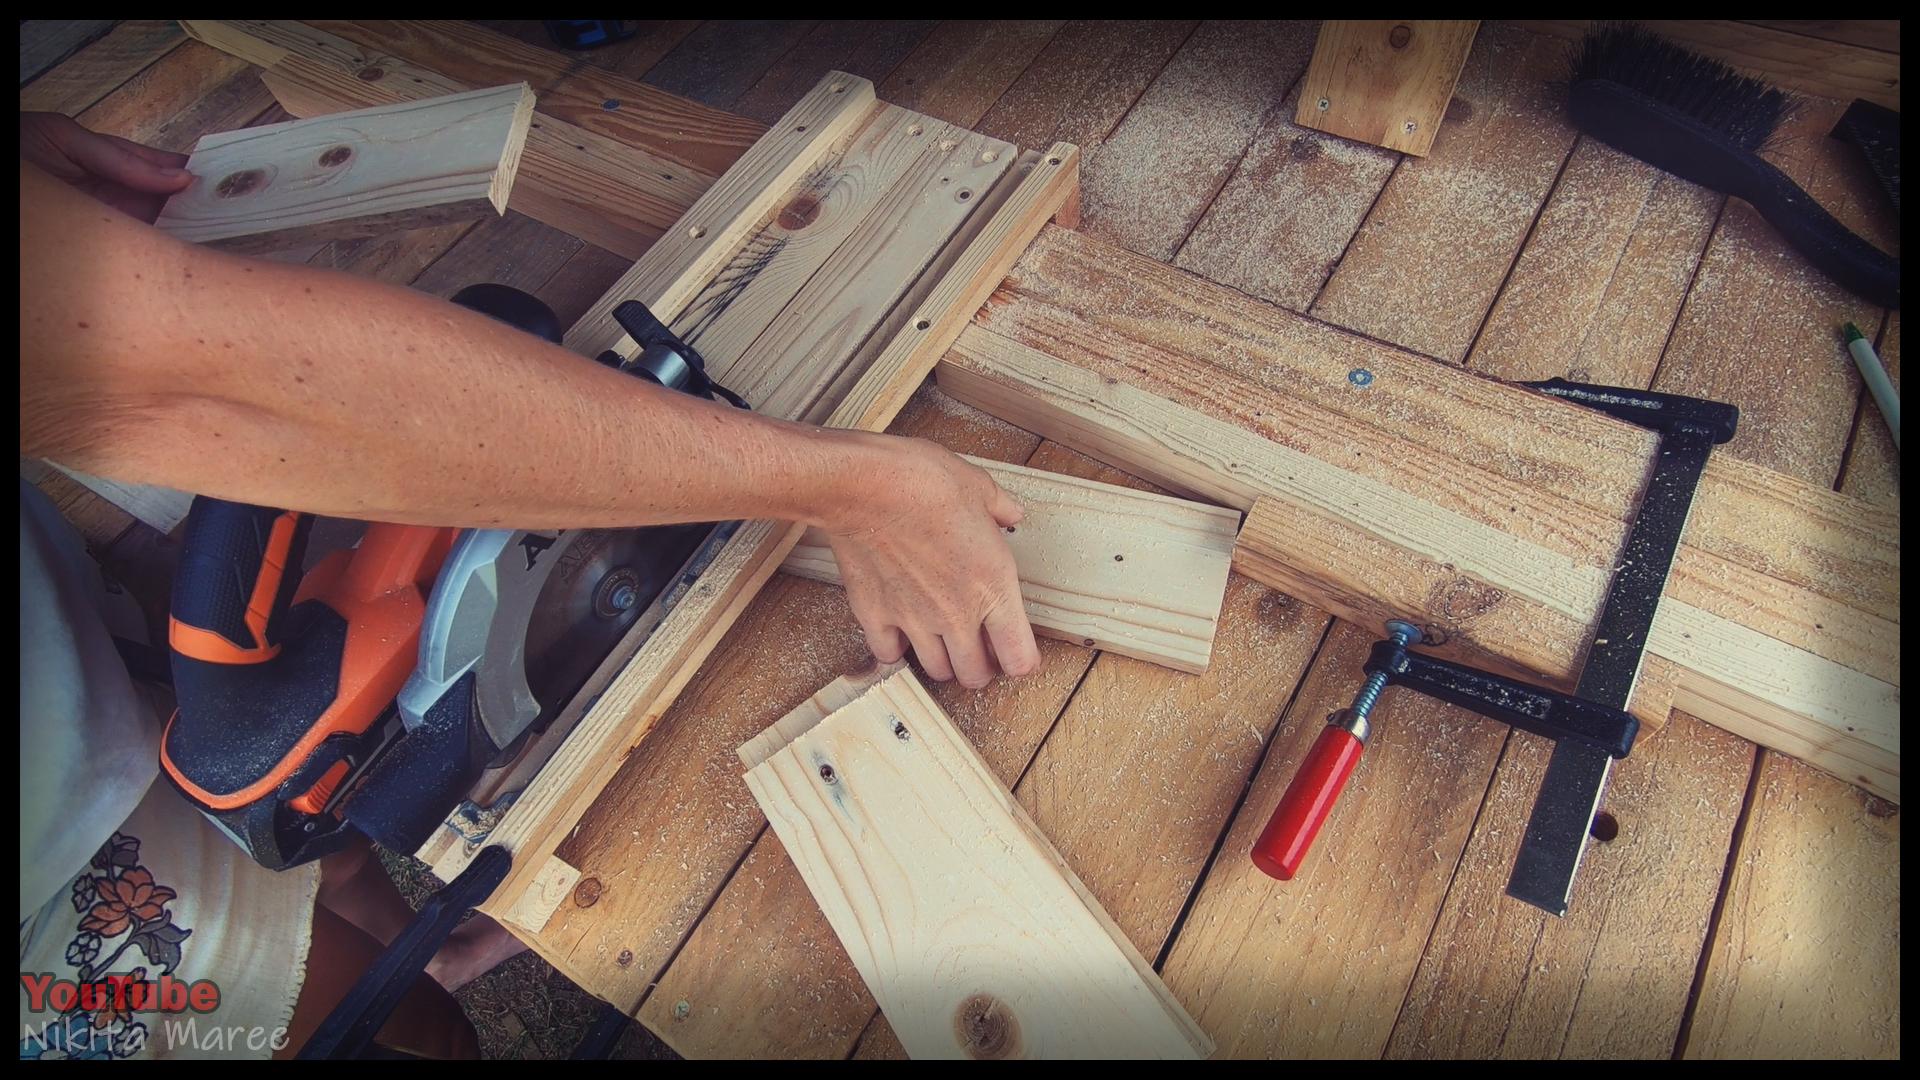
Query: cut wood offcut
{"x": 1385, "y": 82}
{"x": 1127, "y": 571}
{"x": 973, "y": 934}
{"x": 354, "y": 174}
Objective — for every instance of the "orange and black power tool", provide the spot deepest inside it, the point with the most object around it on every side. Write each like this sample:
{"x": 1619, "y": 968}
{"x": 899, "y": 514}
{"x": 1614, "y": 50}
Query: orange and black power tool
{"x": 373, "y": 693}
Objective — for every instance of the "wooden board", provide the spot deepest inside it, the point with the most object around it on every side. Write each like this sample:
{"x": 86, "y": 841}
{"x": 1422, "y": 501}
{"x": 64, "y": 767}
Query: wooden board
{"x": 922, "y": 861}
{"x": 1383, "y": 81}
{"x": 44, "y": 43}
{"x": 1826, "y": 693}
{"x": 354, "y": 174}
{"x": 1124, "y": 571}
{"x": 90, "y": 74}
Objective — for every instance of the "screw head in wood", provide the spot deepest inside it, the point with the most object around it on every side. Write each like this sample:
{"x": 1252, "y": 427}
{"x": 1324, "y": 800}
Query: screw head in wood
{"x": 1325, "y": 104}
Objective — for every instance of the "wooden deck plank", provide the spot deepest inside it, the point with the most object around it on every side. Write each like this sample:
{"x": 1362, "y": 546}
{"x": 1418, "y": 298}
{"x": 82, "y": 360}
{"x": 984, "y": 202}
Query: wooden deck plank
{"x": 1803, "y": 960}
{"x": 1797, "y": 61}
{"x": 81, "y": 80}
{"x": 1461, "y": 213}
{"x": 1287, "y": 214}
{"x": 719, "y": 61}
{"x": 1599, "y": 284}
{"x": 676, "y": 128}
{"x": 1080, "y": 86}
{"x": 870, "y": 49}
{"x": 1154, "y": 177}
{"x": 46, "y": 42}
{"x": 190, "y": 91}
{"x": 960, "y": 69}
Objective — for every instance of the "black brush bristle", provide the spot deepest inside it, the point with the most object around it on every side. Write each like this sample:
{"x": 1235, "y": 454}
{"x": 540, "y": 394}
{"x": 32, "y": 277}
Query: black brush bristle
{"x": 1746, "y": 111}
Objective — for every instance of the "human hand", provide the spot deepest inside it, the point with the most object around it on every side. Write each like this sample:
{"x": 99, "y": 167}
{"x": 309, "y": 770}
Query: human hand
{"x": 127, "y": 176}
{"x": 924, "y": 563}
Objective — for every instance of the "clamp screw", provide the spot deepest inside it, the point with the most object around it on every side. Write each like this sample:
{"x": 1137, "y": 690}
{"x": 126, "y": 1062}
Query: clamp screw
{"x": 624, "y": 598}
{"x": 1402, "y": 634}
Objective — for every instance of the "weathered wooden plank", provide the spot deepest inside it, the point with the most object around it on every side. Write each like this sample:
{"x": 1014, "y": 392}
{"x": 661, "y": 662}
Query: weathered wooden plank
{"x": 682, "y": 131}
{"x": 1798, "y": 61}
{"x": 1383, "y": 81}
{"x": 1080, "y": 86}
{"x": 1880, "y": 34}
{"x": 605, "y": 191}
{"x": 1284, "y": 218}
{"x": 102, "y": 67}
{"x": 355, "y": 174}
{"x": 1154, "y": 177}
{"x": 1425, "y": 267}
{"x": 179, "y": 97}
{"x": 878, "y": 820}
{"x": 1600, "y": 281}
{"x": 720, "y": 60}
{"x": 867, "y": 48}
{"x": 1127, "y": 572}
{"x": 963, "y": 66}
{"x": 509, "y": 250}
{"x": 46, "y": 42}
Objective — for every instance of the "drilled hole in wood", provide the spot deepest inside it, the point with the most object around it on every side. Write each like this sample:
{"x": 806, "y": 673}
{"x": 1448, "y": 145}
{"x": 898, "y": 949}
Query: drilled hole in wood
{"x": 1604, "y": 828}
{"x": 900, "y": 731}
{"x": 802, "y": 127}
{"x": 1053, "y": 161}
{"x": 827, "y": 774}
{"x": 839, "y": 88}
{"x": 1119, "y": 558}
{"x": 989, "y": 156}
{"x": 964, "y": 195}
{"x": 921, "y": 324}
{"x": 697, "y": 232}
{"x": 916, "y": 129}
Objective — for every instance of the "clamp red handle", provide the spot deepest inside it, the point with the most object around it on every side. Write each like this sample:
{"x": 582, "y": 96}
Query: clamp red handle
{"x": 1310, "y": 796}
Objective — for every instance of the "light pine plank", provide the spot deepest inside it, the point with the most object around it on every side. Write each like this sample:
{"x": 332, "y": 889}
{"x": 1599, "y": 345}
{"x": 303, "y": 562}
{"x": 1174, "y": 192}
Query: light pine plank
{"x": 1128, "y": 572}
{"x": 812, "y": 351}
{"x": 46, "y": 42}
{"x": 1154, "y": 177}
{"x": 878, "y": 821}
{"x": 1383, "y": 81}
{"x": 1318, "y": 966}
{"x": 671, "y": 274}
{"x": 1425, "y": 267}
{"x": 354, "y": 174}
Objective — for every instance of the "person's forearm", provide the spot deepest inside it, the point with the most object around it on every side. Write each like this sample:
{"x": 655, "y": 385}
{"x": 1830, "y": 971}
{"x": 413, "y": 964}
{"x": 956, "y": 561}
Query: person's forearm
{"x": 287, "y": 386}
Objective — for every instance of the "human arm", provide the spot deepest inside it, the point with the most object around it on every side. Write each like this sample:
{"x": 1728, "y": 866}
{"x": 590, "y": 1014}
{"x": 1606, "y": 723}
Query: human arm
{"x": 153, "y": 361}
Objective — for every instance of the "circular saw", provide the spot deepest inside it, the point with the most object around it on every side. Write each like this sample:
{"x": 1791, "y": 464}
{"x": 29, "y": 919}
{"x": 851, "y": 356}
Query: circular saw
{"x": 419, "y": 670}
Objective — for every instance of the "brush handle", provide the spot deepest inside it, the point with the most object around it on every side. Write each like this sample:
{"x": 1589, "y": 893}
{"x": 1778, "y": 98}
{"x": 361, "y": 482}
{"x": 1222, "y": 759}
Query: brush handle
{"x": 1665, "y": 137}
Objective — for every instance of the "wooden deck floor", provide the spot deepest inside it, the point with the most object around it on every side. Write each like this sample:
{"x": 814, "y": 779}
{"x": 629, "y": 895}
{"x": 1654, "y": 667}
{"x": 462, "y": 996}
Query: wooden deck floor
{"x": 1749, "y": 905}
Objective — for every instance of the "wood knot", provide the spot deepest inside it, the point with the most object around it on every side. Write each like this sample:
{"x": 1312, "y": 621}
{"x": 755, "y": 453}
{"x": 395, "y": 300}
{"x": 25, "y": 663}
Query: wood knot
{"x": 987, "y": 1028}
{"x": 1462, "y": 599}
{"x": 1399, "y": 36}
{"x": 237, "y": 184}
{"x": 625, "y": 958}
{"x": 336, "y": 156}
{"x": 587, "y": 892}
{"x": 799, "y": 213}
{"x": 371, "y": 74}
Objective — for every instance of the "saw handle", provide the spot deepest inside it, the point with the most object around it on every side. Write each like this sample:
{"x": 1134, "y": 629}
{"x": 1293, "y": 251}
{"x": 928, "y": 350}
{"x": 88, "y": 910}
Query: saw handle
{"x": 238, "y": 570}
{"x": 1310, "y": 796}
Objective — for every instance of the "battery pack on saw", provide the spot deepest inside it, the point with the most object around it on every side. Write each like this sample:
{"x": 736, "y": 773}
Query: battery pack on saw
{"x": 373, "y": 693}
